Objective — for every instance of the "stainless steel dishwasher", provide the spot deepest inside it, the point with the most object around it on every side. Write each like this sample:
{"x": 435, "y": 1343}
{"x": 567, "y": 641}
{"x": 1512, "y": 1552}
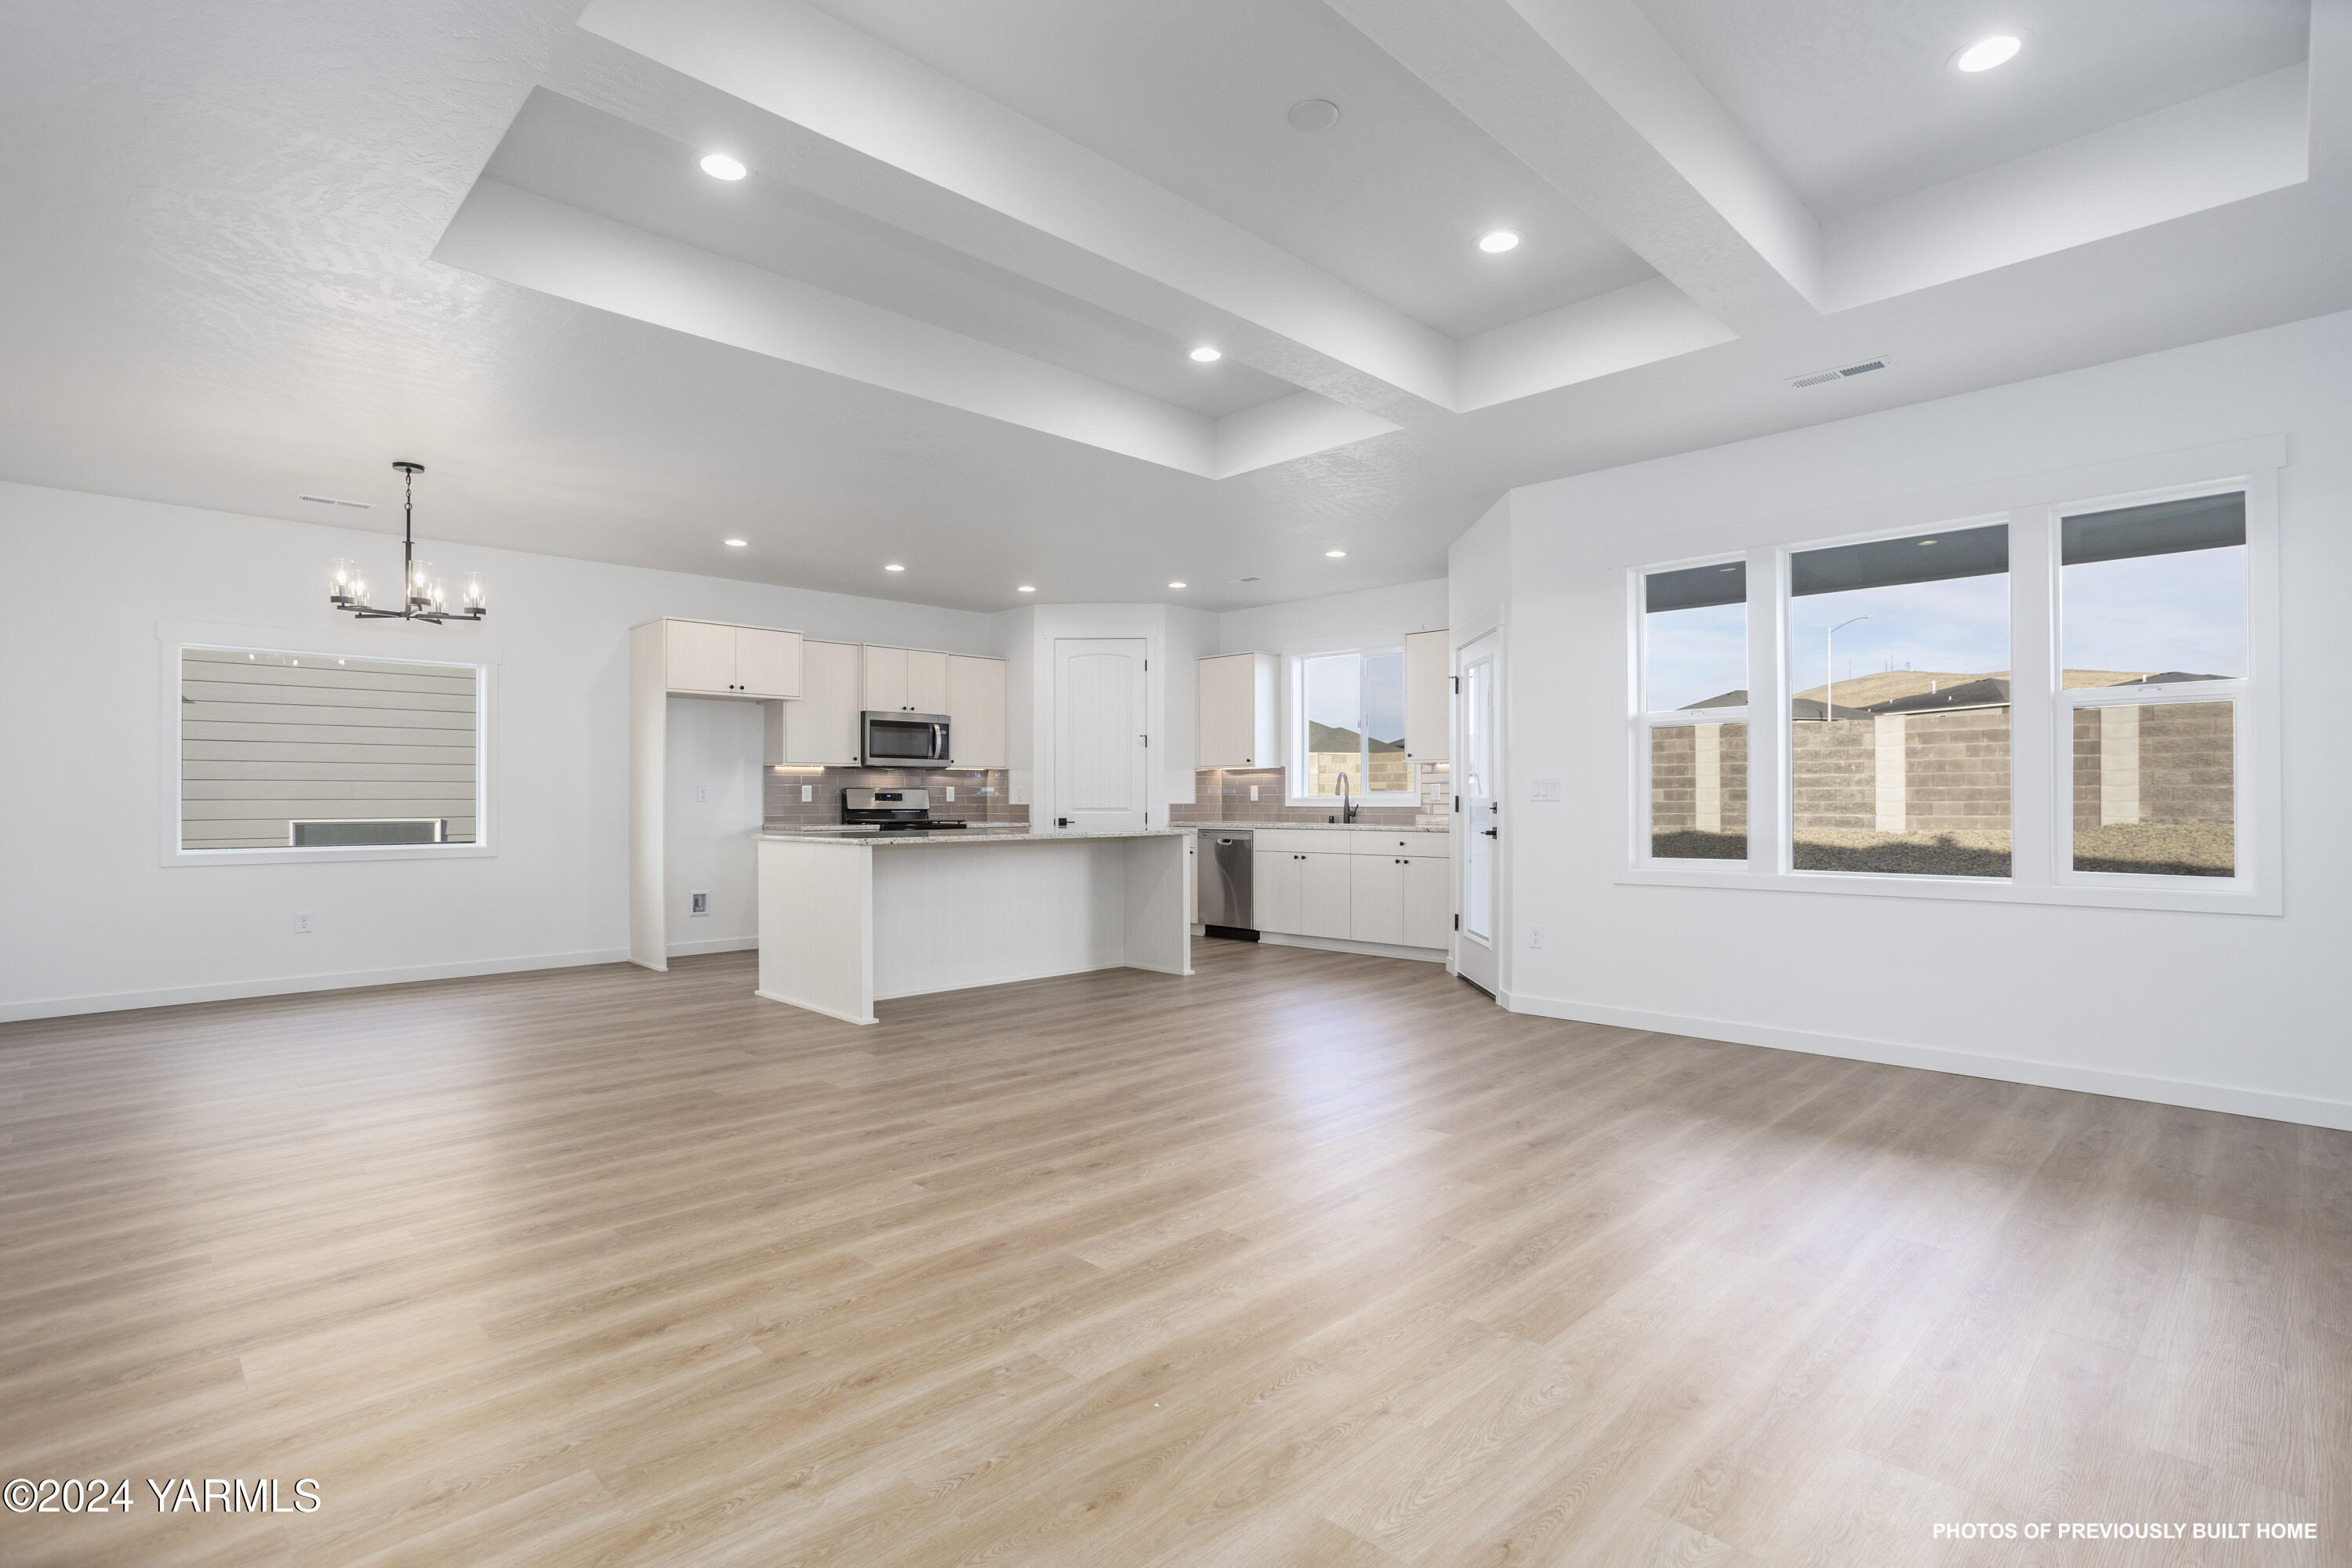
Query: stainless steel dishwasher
{"x": 1224, "y": 883}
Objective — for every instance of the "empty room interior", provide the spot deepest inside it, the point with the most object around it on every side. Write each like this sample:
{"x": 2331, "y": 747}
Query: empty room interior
{"x": 1176, "y": 784}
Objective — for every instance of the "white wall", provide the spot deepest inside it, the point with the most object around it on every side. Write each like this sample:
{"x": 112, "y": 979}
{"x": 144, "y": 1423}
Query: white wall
{"x": 90, "y": 919}
{"x": 2231, "y": 1012}
{"x": 1366, "y": 616}
{"x": 712, "y": 845}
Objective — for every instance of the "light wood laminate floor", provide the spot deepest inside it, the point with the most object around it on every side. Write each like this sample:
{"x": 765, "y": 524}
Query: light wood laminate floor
{"x": 1307, "y": 1260}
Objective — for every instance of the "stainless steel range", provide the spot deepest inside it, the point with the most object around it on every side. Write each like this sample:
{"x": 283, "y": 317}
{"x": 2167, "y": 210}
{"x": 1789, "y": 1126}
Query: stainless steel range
{"x": 893, "y": 811}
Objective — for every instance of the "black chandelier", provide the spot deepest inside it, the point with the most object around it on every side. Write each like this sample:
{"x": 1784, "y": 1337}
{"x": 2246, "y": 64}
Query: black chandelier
{"x": 424, "y": 596}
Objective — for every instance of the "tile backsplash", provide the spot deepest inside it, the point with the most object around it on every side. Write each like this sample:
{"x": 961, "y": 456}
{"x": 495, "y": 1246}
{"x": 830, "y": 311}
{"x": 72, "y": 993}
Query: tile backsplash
{"x": 1223, "y": 795}
{"x": 981, "y": 795}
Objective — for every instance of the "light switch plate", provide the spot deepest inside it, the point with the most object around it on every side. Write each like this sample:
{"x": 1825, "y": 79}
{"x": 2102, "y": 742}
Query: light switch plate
{"x": 1547, "y": 789}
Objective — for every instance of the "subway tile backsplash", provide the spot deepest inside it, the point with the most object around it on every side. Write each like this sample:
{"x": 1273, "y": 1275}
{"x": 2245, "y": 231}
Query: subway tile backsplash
{"x": 1223, "y": 795}
{"x": 981, "y": 795}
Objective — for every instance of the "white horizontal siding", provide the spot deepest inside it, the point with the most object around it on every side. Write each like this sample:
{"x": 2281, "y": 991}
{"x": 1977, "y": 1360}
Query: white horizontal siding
{"x": 266, "y": 739}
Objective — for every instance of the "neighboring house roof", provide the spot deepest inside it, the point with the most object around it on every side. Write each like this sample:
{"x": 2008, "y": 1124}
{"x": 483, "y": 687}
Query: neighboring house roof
{"x": 1809, "y": 709}
{"x": 1991, "y": 692}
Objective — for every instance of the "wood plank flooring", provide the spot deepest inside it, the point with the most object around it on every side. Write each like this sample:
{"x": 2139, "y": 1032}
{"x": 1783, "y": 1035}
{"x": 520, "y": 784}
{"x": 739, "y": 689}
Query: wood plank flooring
{"x": 1307, "y": 1259}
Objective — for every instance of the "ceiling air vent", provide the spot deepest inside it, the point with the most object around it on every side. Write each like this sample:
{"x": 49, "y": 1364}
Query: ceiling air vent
{"x": 1823, "y": 377}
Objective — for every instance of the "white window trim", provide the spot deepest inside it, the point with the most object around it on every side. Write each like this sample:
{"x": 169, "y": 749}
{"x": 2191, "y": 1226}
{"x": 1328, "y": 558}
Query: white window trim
{"x": 411, "y": 644}
{"x": 1294, "y": 745}
{"x": 2042, "y": 757}
{"x": 1646, "y": 719}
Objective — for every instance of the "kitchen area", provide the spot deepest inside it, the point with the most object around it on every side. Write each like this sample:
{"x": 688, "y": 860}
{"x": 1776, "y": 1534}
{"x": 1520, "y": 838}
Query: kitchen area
{"x": 894, "y": 853}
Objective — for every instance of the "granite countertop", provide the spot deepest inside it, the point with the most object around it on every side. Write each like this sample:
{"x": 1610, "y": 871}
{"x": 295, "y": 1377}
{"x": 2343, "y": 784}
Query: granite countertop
{"x": 999, "y": 833}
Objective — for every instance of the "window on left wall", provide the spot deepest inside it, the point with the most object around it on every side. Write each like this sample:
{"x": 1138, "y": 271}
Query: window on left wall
{"x": 324, "y": 752}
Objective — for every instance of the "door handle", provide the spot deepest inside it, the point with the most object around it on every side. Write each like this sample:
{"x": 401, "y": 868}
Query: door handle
{"x": 1492, "y": 834}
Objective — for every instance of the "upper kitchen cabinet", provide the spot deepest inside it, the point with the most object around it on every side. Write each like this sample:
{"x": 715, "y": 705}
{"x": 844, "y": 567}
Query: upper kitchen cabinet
{"x": 975, "y": 710}
{"x": 820, "y": 729}
{"x": 1237, "y": 711}
{"x": 704, "y": 658}
{"x": 905, "y": 680}
{"x": 1428, "y": 696}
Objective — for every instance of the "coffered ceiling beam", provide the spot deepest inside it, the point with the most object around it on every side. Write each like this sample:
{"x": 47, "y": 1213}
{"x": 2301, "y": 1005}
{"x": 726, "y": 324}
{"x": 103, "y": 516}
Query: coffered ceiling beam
{"x": 1588, "y": 95}
{"x": 943, "y": 161}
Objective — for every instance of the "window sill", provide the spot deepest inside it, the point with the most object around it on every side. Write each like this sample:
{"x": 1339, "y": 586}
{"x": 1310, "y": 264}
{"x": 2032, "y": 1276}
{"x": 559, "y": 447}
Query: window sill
{"x": 2141, "y": 895}
{"x": 338, "y": 854}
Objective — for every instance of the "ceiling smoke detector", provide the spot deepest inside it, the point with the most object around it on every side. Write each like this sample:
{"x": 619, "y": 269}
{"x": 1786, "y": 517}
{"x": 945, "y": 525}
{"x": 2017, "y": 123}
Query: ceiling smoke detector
{"x": 1839, "y": 373}
{"x": 1313, "y": 114}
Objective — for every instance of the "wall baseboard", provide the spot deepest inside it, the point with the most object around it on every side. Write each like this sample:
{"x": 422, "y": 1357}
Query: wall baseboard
{"x": 294, "y": 984}
{"x": 2267, "y": 1104}
{"x": 716, "y": 944}
{"x": 1340, "y": 945}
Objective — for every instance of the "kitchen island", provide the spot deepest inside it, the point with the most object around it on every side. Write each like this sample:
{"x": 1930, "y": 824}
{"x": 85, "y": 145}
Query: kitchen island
{"x": 849, "y": 918}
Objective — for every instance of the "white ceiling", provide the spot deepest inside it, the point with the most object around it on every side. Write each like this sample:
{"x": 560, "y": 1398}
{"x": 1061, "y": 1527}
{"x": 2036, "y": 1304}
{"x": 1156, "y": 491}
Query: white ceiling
{"x": 1854, "y": 100}
{"x": 220, "y": 290}
{"x": 1194, "y": 97}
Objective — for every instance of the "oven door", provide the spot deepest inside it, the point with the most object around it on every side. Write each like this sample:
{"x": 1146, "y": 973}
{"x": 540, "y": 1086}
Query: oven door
{"x": 905, "y": 739}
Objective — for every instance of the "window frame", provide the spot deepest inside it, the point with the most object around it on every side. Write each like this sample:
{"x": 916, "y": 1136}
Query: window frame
{"x": 404, "y": 646}
{"x": 1647, "y": 721}
{"x": 2042, "y": 713}
{"x": 1294, "y": 734}
{"x": 2239, "y": 692}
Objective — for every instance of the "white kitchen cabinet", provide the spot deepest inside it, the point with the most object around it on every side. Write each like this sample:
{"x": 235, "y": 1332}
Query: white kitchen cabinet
{"x": 1276, "y": 882}
{"x": 927, "y": 682}
{"x": 820, "y": 730}
{"x": 885, "y": 679}
{"x": 1428, "y": 902}
{"x": 1237, "y": 705}
{"x": 707, "y": 658}
{"x": 905, "y": 680}
{"x": 1428, "y": 696}
{"x": 767, "y": 663}
{"x": 1376, "y": 899}
{"x": 1323, "y": 897}
{"x": 975, "y": 710}
{"x": 700, "y": 657}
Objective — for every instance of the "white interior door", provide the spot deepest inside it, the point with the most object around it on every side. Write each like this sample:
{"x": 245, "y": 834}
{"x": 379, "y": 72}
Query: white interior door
{"x": 1101, "y": 744}
{"x": 1476, "y": 958}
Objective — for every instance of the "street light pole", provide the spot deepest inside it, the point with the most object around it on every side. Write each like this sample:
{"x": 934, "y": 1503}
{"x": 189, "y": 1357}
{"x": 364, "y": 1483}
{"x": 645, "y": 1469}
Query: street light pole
{"x": 1828, "y": 668}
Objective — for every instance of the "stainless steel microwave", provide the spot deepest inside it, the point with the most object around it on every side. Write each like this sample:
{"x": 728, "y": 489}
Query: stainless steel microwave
{"x": 903, "y": 740}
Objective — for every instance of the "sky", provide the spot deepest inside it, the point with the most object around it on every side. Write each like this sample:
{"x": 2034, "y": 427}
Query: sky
{"x": 1342, "y": 693}
{"x": 2184, "y": 611}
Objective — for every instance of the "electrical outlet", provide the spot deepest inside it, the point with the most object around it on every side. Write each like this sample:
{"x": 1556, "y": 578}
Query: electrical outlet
{"x": 702, "y": 795}
{"x": 950, "y": 789}
{"x": 1535, "y": 936}
{"x": 702, "y": 904}
{"x": 808, "y": 794}
{"x": 1253, "y": 792}
{"x": 305, "y": 924}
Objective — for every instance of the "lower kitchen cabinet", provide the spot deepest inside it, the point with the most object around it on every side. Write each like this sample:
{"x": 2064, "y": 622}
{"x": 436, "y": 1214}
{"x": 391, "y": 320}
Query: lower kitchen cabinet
{"x": 1376, "y": 899}
{"x": 1274, "y": 890}
{"x": 1361, "y": 893}
{"x": 1324, "y": 900}
{"x": 1428, "y": 902}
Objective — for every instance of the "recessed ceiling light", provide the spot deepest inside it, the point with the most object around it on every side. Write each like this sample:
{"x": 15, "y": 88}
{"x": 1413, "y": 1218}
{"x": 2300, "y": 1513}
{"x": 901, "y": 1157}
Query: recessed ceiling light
{"x": 1175, "y": 584}
{"x": 719, "y": 166}
{"x": 1314, "y": 114}
{"x": 1987, "y": 53}
{"x": 893, "y": 567}
{"x": 1205, "y": 354}
{"x": 1495, "y": 241}
{"x": 1026, "y": 588}
{"x": 1335, "y": 554}
{"x": 735, "y": 543}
